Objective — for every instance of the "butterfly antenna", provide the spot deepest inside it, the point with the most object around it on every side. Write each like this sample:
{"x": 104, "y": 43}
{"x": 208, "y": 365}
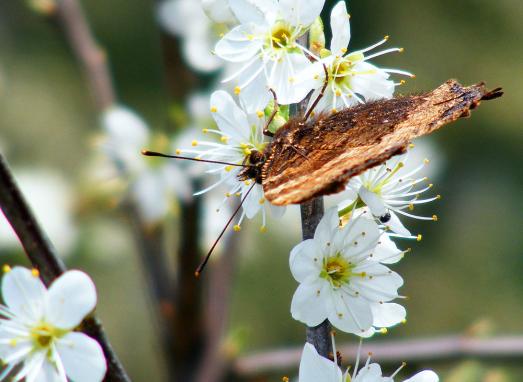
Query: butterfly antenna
{"x": 206, "y": 259}
{"x": 266, "y": 130}
{"x": 157, "y": 154}
{"x": 320, "y": 96}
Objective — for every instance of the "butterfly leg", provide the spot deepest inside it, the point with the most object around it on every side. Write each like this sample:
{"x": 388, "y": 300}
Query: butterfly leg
{"x": 320, "y": 96}
{"x": 266, "y": 130}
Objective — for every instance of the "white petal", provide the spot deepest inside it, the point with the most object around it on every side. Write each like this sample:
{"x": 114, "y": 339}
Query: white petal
{"x": 388, "y": 314}
{"x": 308, "y": 303}
{"x": 300, "y": 12}
{"x": 247, "y": 11}
{"x": 277, "y": 211}
{"x": 24, "y": 294}
{"x": 256, "y": 95}
{"x": 82, "y": 357}
{"x": 349, "y": 314}
{"x": 373, "y": 201}
{"x": 340, "y": 26}
{"x": 48, "y": 373}
{"x": 305, "y": 261}
{"x": 197, "y": 52}
{"x": 173, "y": 15}
{"x": 231, "y": 120}
{"x": 315, "y": 368}
{"x": 373, "y": 83}
{"x": 70, "y": 298}
{"x": 360, "y": 233}
{"x": 386, "y": 251}
{"x": 236, "y": 46}
{"x": 218, "y": 11}
{"x": 285, "y": 75}
{"x": 252, "y": 204}
{"x": 328, "y": 224}
{"x": 396, "y": 225}
{"x": 371, "y": 373}
{"x": 424, "y": 376}
{"x": 151, "y": 195}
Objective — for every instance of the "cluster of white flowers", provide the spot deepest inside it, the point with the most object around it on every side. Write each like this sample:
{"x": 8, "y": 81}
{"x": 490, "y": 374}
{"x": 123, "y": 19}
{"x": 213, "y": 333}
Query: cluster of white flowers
{"x": 343, "y": 271}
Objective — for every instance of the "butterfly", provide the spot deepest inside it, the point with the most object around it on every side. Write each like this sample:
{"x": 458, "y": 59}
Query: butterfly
{"x": 307, "y": 158}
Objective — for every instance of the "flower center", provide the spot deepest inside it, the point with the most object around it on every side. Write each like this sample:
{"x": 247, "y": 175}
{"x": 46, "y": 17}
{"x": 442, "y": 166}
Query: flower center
{"x": 281, "y": 35}
{"x": 44, "y": 335}
{"x": 344, "y": 68}
{"x": 337, "y": 270}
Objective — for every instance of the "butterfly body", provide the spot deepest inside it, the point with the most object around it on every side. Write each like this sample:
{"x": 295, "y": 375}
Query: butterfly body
{"x": 306, "y": 159}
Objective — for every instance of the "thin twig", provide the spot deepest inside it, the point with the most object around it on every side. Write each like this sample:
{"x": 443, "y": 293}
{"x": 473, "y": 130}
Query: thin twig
{"x": 89, "y": 55}
{"x": 43, "y": 257}
{"x": 427, "y": 350}
{"x": 311, "y": 214}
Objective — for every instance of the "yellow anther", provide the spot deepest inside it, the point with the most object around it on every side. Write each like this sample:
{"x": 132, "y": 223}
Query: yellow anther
{"x": 404, "y": 321}
{"x": 343, "y": 50}
{"x": 334, "y": 110}
{"x": 194, "y": 143}
{"x": 426, "y": 161}
{"x": 412, "y": 76}
{"x": 411, "y": 206}
{"x": 386, "y": 37}
{"x": 247, "y": 151}
{"x": 438, "y": 196}
{"x": 243, "y": 145}
{"x": 401, "y": 50}
{"x": 316, "y": 76}
{"x": 178, "y": 151}
{"x": 247, "y": 182}
{"x": 419, "y": 237}
{"x": 237, "y": 228}
{"x": 198, "y": 157}
{"x": 224, "y": 139}
{"x": 205, "y": 131}
{"x": 401, "y": 164}
{"x": 237, "y": 90}
{"x": 214, "y": 109}
{"x": 228, "y": 168}
{"x": 6, "y": 268}
{"x": 228, "y": 194}
{"x": 411, "y": 146}
{"x": 403, "y": 82}
{"x": 261, "y": 201}
{"x": 259, "y": 113}
{"x": 238, "y": 194}
{"x": 221, "y": 34}
{"x": 338, "y": 93}
{"x": 35, "y": 272}
{"x": 291, "y": 80}
{"x": 285, "y": 379}
{"x": 263, "y": 229}
{"x": 435, "y": 218}
{"x": 384, "y": 330}
{"x": 431, "y": 185}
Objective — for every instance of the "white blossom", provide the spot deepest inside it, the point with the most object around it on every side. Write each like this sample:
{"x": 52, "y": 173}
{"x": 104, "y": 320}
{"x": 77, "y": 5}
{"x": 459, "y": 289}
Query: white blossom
{"x": 315, "y": 368}
{"x": 389, "y": 192}
{"x": 153, "y": 183}
{"x": 37, "y": 337}
{"x": 198, "y": 30}
{"x": 239, "y": 135}
{"x": 51, "y": 200}
{"x": 352, "y": 79}
{"x": 265, "y": 44}
{"x": 342, "y": 278}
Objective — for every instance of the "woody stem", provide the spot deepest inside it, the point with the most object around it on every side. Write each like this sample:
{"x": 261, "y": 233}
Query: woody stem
{"x": 311, "y": 214}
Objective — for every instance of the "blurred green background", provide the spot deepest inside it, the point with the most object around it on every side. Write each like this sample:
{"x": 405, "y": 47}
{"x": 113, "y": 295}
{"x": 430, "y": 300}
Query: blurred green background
{"x": 468, "y": 268}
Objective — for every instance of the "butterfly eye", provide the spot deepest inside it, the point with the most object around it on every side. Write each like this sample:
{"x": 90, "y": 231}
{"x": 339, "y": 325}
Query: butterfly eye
{"x": 385, "y": 218}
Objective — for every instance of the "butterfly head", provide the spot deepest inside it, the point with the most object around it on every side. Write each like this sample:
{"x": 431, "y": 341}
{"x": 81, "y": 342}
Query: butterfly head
{"x": 256, "y": 159}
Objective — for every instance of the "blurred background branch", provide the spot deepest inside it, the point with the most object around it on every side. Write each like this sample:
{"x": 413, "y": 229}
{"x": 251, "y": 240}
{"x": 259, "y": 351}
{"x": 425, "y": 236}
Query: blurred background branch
{"x": 427, "y": 351}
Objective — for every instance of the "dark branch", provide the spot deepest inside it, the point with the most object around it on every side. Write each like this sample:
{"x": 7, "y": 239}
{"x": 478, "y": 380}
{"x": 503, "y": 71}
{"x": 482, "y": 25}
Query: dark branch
{"x": 43, "y": 257}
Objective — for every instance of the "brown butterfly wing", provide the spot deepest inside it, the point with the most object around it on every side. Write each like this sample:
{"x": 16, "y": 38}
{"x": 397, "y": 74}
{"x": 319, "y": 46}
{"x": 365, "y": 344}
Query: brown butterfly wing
{"x": 318, "y": 158}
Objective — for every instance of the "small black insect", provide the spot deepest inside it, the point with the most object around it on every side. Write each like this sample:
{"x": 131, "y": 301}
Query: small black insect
{"x": 385, "y": 218}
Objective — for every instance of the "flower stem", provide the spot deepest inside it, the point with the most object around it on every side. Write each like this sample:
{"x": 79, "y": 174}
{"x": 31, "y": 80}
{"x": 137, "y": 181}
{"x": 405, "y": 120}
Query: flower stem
{"x": 43, "y": 257}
